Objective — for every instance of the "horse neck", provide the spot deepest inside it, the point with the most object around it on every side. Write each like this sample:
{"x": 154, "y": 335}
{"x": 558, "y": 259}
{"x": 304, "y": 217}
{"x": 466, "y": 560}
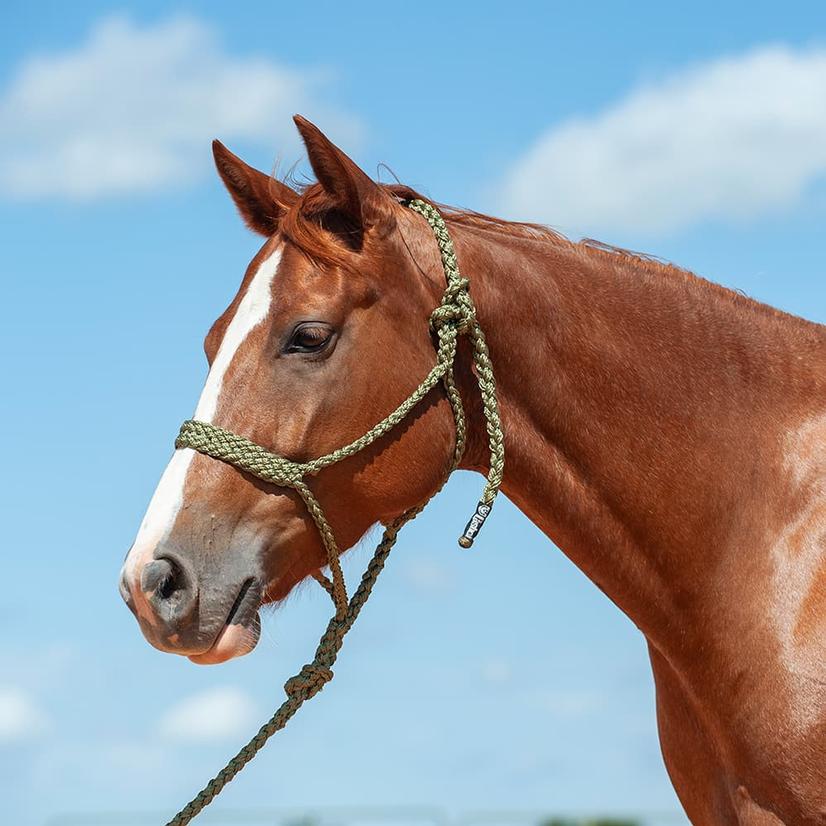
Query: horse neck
{"x": 640, "y": 405}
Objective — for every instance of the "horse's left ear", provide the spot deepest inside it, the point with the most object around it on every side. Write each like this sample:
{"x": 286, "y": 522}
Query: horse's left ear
{"x": 355, "y": 193}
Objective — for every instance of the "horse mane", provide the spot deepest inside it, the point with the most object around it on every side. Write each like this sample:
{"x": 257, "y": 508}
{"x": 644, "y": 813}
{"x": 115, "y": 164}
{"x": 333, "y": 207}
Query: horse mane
{"x": 314, "y": 224}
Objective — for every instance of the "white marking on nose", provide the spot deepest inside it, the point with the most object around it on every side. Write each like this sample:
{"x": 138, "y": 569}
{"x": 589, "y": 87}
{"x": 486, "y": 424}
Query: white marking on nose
{"x": 166, "y": 502}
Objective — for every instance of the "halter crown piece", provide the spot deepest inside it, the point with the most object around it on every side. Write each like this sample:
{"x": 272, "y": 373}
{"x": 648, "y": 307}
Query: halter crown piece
{"x": 455, "y": 316}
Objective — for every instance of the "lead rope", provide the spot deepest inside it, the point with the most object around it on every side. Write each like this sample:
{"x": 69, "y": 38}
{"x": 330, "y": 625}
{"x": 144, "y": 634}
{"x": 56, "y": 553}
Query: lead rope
{"x": 455, "y": 316}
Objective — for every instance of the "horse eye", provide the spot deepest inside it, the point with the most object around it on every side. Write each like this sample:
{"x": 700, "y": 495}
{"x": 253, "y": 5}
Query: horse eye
{"x": 309, "y": 337}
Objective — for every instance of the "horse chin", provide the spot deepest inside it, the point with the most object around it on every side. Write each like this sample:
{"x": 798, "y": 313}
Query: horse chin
{"x": 233, "y": 641}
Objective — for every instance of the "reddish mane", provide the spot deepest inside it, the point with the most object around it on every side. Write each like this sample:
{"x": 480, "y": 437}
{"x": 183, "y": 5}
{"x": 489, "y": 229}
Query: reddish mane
{"x": 306, "y": 222}
{"x": 314, "y": 225}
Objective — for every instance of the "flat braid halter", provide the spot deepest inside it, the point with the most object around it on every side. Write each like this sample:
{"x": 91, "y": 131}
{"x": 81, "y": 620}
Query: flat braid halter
{"x": 455, "y": 316}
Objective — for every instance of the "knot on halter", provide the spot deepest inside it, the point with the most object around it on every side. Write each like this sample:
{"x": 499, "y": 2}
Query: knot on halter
{"x": 456, "y": 308}
{"x": 308, "y": 682}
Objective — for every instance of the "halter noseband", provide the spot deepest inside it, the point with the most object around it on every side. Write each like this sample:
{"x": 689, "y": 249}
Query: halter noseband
{"x": 455, "y": 316}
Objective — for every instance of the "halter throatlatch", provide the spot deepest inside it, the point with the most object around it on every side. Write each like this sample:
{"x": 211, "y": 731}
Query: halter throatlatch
{"x": 455, "y": 316}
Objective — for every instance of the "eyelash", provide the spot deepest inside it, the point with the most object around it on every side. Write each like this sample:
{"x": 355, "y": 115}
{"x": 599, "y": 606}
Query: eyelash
{"x": 320, "y": 333}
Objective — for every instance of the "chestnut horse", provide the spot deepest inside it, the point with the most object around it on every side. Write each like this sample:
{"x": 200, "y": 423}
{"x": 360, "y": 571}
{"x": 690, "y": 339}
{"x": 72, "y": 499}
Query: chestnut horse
{"x": 669, "y": 435}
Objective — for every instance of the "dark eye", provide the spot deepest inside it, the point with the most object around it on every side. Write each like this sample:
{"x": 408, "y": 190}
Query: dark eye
{"x": 310, "y": 337}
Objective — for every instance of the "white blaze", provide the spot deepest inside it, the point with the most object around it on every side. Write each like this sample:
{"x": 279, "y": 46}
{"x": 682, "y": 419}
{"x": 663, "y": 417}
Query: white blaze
{"x": 166, "y": 502}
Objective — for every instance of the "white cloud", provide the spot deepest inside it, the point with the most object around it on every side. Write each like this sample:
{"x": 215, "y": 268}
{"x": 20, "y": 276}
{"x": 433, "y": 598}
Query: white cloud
{"x": 729, "y": 139}
{"x": 20, "y": 717}
{"x": 216, "y": 714}
{"x": 134, "y": 109}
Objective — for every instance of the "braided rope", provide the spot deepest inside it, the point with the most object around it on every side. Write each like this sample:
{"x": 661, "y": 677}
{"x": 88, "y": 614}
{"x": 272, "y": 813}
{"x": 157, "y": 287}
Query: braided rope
{"x": 455, "y": 316}
{"x": 460, "y": 308}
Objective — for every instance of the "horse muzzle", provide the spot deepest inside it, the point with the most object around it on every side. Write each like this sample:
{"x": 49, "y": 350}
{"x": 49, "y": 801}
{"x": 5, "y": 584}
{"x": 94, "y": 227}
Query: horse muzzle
{"x": 207, "y": 622}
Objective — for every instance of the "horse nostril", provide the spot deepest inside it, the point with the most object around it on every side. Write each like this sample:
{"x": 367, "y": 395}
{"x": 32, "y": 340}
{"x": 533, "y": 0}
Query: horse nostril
{"x": 163, "y": 579}
{"x": 170, "y": 589}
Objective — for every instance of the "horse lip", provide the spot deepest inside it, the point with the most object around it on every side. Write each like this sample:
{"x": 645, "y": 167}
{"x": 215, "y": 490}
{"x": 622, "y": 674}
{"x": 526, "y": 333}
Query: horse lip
{"x": 243, "y": 609}
{"x": 245, "y": 606}
{"x": 242, "y": 615}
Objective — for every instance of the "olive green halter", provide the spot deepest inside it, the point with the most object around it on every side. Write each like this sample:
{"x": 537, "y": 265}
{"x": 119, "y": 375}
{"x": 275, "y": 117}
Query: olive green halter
{"x": 455, "y": 316}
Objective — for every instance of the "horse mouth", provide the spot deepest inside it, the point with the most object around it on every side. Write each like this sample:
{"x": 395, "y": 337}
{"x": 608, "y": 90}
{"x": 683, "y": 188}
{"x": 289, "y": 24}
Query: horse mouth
{"x": 241, "y": 629}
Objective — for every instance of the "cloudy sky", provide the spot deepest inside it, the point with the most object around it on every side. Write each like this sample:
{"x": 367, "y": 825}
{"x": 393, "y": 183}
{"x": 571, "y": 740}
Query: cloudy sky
{"x": 497, "y": 679}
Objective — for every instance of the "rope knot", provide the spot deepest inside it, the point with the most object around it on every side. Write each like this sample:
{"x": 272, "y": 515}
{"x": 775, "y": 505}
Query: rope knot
{"x": 456, "y": 308}
{"x": 308, "y": 682}
{"x": 453, "y": 290}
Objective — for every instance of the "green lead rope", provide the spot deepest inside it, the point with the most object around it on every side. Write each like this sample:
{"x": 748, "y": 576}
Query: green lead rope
{"x": 455, "y": 316}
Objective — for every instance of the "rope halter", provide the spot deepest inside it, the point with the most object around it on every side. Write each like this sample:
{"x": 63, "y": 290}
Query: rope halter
{"x": 455, "y": 316}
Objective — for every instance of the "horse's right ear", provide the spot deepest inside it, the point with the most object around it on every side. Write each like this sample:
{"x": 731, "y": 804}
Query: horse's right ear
{"x": 260, "y": 198}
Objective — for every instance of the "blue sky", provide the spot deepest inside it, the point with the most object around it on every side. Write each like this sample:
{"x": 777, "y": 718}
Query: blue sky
{"x": 495, "y": 679}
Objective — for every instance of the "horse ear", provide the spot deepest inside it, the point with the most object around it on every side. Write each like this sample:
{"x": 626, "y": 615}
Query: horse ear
{"x": 261, "y": 199}
{"x": 355, "y": 193}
